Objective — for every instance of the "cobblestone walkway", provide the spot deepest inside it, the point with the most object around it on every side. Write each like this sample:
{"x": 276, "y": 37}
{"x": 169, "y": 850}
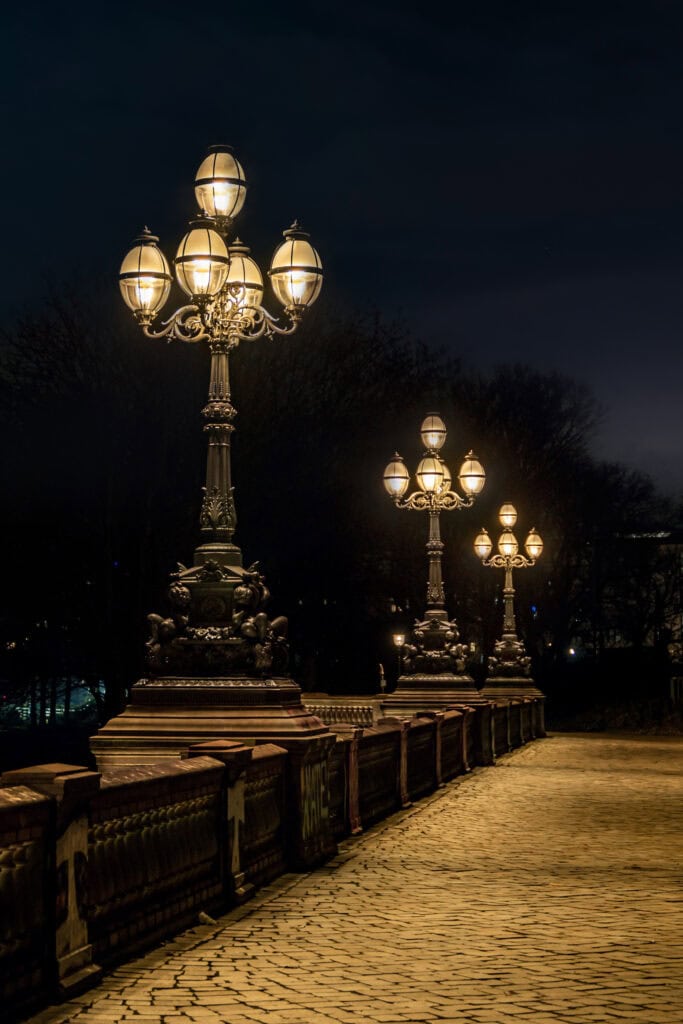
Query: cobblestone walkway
{"x": 544, "y": 889}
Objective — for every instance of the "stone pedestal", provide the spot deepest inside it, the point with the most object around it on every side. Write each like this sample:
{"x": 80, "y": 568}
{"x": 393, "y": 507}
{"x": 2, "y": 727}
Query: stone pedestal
{"x": 168, "y": 715}
{"x": 422, "y": 692}
{"x": 501, "y": 687}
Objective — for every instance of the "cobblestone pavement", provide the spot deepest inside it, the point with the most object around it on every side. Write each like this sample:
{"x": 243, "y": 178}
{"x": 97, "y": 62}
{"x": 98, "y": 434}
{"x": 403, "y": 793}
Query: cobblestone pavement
{"x": 544, "y": 889}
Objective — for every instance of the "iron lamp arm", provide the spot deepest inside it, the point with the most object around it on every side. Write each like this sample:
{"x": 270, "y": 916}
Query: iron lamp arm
{"x": 424, "y": 500}
{"x": 509, "y": 561}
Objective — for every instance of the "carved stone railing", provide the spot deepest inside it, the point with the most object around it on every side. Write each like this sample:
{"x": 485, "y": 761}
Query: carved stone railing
{"x": 27, "y": 837}
{"x": 422, "y": 760}
{"x": 94, "y": 868}
{"x": 379, "y": 772}
{"x": 153, "y": 853}
{"x": 501, "y": 727}
{"x": 264, "y": 853}
{"x": 342, "y": 714}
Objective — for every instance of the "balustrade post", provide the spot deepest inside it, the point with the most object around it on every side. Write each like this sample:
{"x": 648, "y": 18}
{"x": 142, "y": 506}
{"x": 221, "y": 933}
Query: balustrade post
{"x": 71, "y": 787}
{"x": 236, "y": 757}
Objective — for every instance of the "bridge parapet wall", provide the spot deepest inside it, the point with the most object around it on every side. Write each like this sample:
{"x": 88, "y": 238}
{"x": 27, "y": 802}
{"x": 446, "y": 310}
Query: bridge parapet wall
{"x": 95, "y": 868}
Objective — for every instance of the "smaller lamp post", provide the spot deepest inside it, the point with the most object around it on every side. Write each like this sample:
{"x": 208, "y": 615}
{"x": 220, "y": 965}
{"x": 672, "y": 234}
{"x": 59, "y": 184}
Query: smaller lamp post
{"x": 399, "y": 641}
{"x": 432, "y": 658}
{"x": 509, "y": 666}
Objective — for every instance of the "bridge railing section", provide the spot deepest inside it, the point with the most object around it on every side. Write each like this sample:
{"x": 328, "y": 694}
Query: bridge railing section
{"x": 94, "y": 868}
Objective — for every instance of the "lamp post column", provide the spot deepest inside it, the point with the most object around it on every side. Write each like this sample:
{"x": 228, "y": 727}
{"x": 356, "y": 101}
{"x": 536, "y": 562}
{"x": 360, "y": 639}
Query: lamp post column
{"x": 509, "y": 625}
{"x": 436, "y": 598}
{"x": 218, "y": 517}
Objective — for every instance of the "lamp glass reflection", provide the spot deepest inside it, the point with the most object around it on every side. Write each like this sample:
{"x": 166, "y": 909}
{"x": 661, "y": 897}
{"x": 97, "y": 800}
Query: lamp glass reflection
{"x": 220, "y": 185}
{"x": 507, "y": 544}
{"x": 296, "y": 270}
{"x": 533, "y": 544}
{"x": 430, "y": 474}
{"x": 396, "y": 477}
{"x": 472, "y": 476}
{"x": 145, "y": 276}
{"x": 482, "y": 544}
{"x": 201, "y": 263}
{"x": 507, "y": 516}
{"x": 433, "y": 431}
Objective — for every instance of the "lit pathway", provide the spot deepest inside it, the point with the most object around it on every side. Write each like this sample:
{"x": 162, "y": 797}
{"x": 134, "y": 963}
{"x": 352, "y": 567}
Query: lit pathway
{"x": 544, "y": 889}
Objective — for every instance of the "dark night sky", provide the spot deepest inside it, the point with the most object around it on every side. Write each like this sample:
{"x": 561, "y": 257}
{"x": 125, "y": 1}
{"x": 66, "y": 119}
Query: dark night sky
{"x": 507, "y": 177}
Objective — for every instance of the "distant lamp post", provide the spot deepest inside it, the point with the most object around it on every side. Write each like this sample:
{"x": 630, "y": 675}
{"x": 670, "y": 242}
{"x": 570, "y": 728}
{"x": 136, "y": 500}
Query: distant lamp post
{"x": 433, "y": 649}
{"x": 399, "y": 642}
{"x": 509, "y": 666}
{"x": 208, "y": 633}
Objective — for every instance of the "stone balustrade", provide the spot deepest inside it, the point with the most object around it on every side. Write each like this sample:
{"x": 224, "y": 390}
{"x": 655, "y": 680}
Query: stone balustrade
{"x": 93, "y": 868}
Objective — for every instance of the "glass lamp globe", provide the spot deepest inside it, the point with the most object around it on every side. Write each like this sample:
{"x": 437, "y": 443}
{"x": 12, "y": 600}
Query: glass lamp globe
{"x": 533, "y": 544}
{"x": 433, "y": 431}
{"x": 296, "y": 270}
{"x": 472, "y": 476}
{"x": 507, "y": 516}
{"x": 482, "y": 544}
{"x": 507, "y": 544}
{"x": 430, "y": 474}
{"x": 396, "y": 477}
{"x": 220, "y": 186}
{"x": 201, "y": 262}
{"x": 145, "y": 276}
{"x": 399, "y": 639}
{"x": 245, "y": 277}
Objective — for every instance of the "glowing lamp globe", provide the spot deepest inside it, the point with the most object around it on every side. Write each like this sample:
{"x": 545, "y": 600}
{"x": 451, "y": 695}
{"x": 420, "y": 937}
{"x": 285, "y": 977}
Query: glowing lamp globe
{"x": 220, "y": 186}
{"x": 399, "y": 639}
{"x": 507, "y": 516}
{"x": 201, "y": 262}
{"x": 482, "y": 544}
{"x": 507, "y": 544}
{"x": 430, "y": 474}
{"x": 244, "y": 280}
{"x": 396, "y": 477}
{"x": 472, "y": 476}
{"x": 433, "y": 432}
{"x": 296, "y": 270}
{"x": 533, "y": 544}
{"x": 145, "y": 276}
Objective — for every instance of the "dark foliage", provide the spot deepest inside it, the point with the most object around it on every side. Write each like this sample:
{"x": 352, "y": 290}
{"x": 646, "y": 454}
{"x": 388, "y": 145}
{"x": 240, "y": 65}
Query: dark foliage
{"x": 103, "y": 463}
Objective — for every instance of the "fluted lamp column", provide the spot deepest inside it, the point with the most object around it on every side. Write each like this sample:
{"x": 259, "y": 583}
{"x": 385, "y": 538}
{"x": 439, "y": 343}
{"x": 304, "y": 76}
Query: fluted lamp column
{"x": 433, "y": 656}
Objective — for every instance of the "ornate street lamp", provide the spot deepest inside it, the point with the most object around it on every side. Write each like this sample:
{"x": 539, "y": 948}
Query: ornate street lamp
{"x": 223, "y": 286}
{"x": 217, "y": 663}
{"x": 509, "y": 666}
{"x": 433, "y": 657}
{"x": 399, "y": 640}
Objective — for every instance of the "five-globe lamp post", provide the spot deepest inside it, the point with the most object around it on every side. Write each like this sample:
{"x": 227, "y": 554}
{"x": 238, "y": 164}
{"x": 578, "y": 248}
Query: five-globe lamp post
{"x": 215, "y": 624}
{"x": 222, "y": 286}
{"x": 432, "y": 658}
{"x": 434, "y": 495}
{"x": 509, "y": 661}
